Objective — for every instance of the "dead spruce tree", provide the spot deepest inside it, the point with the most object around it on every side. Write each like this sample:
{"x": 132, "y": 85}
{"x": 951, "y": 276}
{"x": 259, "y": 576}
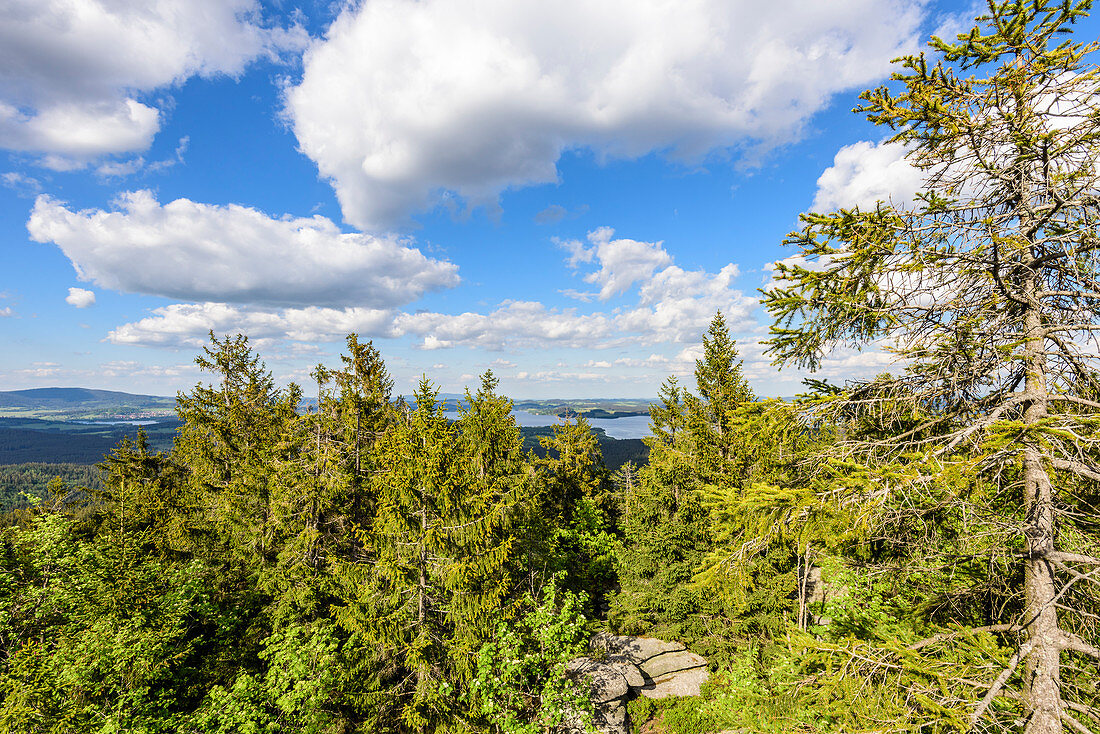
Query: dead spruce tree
{"x": 986, "y": 288}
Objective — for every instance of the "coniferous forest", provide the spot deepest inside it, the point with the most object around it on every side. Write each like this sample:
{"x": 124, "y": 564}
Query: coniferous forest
{"x": 911, "y": 552}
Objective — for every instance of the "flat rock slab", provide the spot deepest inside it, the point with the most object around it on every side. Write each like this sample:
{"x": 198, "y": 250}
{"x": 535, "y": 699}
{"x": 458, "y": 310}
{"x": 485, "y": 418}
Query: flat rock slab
{"x": 631, "y": 672}
{"x": 654, "y": 668}
{"x": 680, "y": 683}
{"x": 635, "y": 649}
{"x": 607, "y": 681}
{"x": 671, "y": 662}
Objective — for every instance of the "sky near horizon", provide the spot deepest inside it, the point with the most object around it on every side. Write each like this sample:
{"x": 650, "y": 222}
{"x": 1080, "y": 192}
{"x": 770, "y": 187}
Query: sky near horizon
{"x": 562, "y": 192}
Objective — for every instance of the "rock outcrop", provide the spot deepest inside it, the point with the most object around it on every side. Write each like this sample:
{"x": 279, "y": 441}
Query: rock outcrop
{"x": 621, "y": 667}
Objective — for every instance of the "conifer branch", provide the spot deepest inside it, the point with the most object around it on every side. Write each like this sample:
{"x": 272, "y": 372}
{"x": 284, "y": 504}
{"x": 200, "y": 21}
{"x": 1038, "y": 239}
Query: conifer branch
{"x": 940, "y": 637}
{"x": 1074, "y": 724}
{"x": 1000, "y": 680}
{"x": 1077, "y": 468}
{"x": 1070, "y": 641}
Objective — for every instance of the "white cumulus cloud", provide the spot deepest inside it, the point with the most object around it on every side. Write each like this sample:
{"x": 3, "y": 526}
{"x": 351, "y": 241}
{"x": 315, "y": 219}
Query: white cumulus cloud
{"x": 204, "y": 252}
{"x": 864, "y": 173}
{"x": 623, "y": 262}
{"x": 671, "y": 305}
{"x": 72, "y": 71}
{"x": 187, "y": 324}
{"x": 403, "y": 100}
{"x": 80, "y": 298}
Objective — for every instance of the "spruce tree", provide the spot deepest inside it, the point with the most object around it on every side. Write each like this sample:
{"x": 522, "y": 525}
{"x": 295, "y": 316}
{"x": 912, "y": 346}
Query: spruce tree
{"x": 232, "y": 442}
{"x": 721, "y": 390}
{"x": 695, "y": 451}
{"x": 492, "y": 530}
{"x": 365, "y": 388}
{"x": 406, "y": 610}
{"x": 578, "y": 507}
{"x": 145, "y": 498}
{"x": 986, "y": 287}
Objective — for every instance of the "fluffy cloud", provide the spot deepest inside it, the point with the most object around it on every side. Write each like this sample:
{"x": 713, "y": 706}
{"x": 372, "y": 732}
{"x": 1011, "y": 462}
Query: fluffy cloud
{"x": 623, "y": 262}
{"x": 542, "y": 377}
{"x": 517, "y": 325}
{"x": 130, "y": 368}
{"x": 73, "y": 132}
{"x": 186, "y": 324}
{"x": 71, "y": 70}
{"x": 37, "y": 370}
{"x": 80, "y": 298}
{"x": 6, "y": 312}
{"x": 864, "y": 173}
{"x": 404, "y": 99}
{"x": 672, "y": 305}
{"x": 204, "y": 252}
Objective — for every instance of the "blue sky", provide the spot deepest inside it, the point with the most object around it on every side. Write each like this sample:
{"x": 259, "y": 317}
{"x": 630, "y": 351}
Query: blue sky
{"x": 562, "y": 192}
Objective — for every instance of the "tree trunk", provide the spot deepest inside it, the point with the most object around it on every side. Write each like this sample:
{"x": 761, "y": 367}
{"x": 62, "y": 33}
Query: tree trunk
{"x": 358, "y": 441}
{"x": 1042, "y": 682}
{"x": 422, "y": 584}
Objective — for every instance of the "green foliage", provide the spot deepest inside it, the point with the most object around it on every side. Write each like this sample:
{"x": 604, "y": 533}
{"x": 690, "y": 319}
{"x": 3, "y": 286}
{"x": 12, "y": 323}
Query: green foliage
{"x": 579, "y": 509}
{"x": 336, "y": 570}
{"x": 664, "y": 541}
{"x": 522, "y": 685}
{"x": 675, "y": 715}
{"x": 294, "y": 694}
{"x": 97, "y": 636}
{"x": 419, "y": 490}
{"x": 20, "y": 480}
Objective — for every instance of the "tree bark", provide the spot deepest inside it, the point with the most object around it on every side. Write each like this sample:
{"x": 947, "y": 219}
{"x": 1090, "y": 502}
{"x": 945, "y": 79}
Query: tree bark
{"x": 1042, "y": 683}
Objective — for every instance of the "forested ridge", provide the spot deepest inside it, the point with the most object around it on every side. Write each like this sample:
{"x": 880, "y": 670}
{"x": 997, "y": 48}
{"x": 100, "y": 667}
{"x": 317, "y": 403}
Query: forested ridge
{"x": 910, "y": 552}
{"x": 22, "y": 485}
{"x": 43, "y": 442}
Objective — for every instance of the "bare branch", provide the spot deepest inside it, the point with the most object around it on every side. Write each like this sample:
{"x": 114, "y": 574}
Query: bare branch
{"x": 1074, "y": 643}
{"x": 1063, "y": 557}
{"x": 1074, "y": 724}
{"x": 1075, "y": 400}
{"x": 1000, "y": 680}
{"x": 1077, "y": 468}
{"x": 1081, "y": 708}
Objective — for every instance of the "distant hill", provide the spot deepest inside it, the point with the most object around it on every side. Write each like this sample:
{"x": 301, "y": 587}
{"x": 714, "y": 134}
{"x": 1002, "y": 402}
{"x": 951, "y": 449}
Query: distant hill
{"x": 47, "y": 397}
{"x": 81, "y": 403}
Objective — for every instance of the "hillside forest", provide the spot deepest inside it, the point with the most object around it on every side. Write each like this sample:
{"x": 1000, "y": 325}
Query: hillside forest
{"x": 915, "y": 551}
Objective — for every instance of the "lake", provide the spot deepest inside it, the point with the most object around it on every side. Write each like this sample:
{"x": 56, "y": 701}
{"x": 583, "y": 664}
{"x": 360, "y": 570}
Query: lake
{"x": 631, "y": 426}
{"x": 143, "y": 422}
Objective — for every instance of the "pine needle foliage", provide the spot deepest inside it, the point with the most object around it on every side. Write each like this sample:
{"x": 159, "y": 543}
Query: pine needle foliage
{"x": 985, "y": 287}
